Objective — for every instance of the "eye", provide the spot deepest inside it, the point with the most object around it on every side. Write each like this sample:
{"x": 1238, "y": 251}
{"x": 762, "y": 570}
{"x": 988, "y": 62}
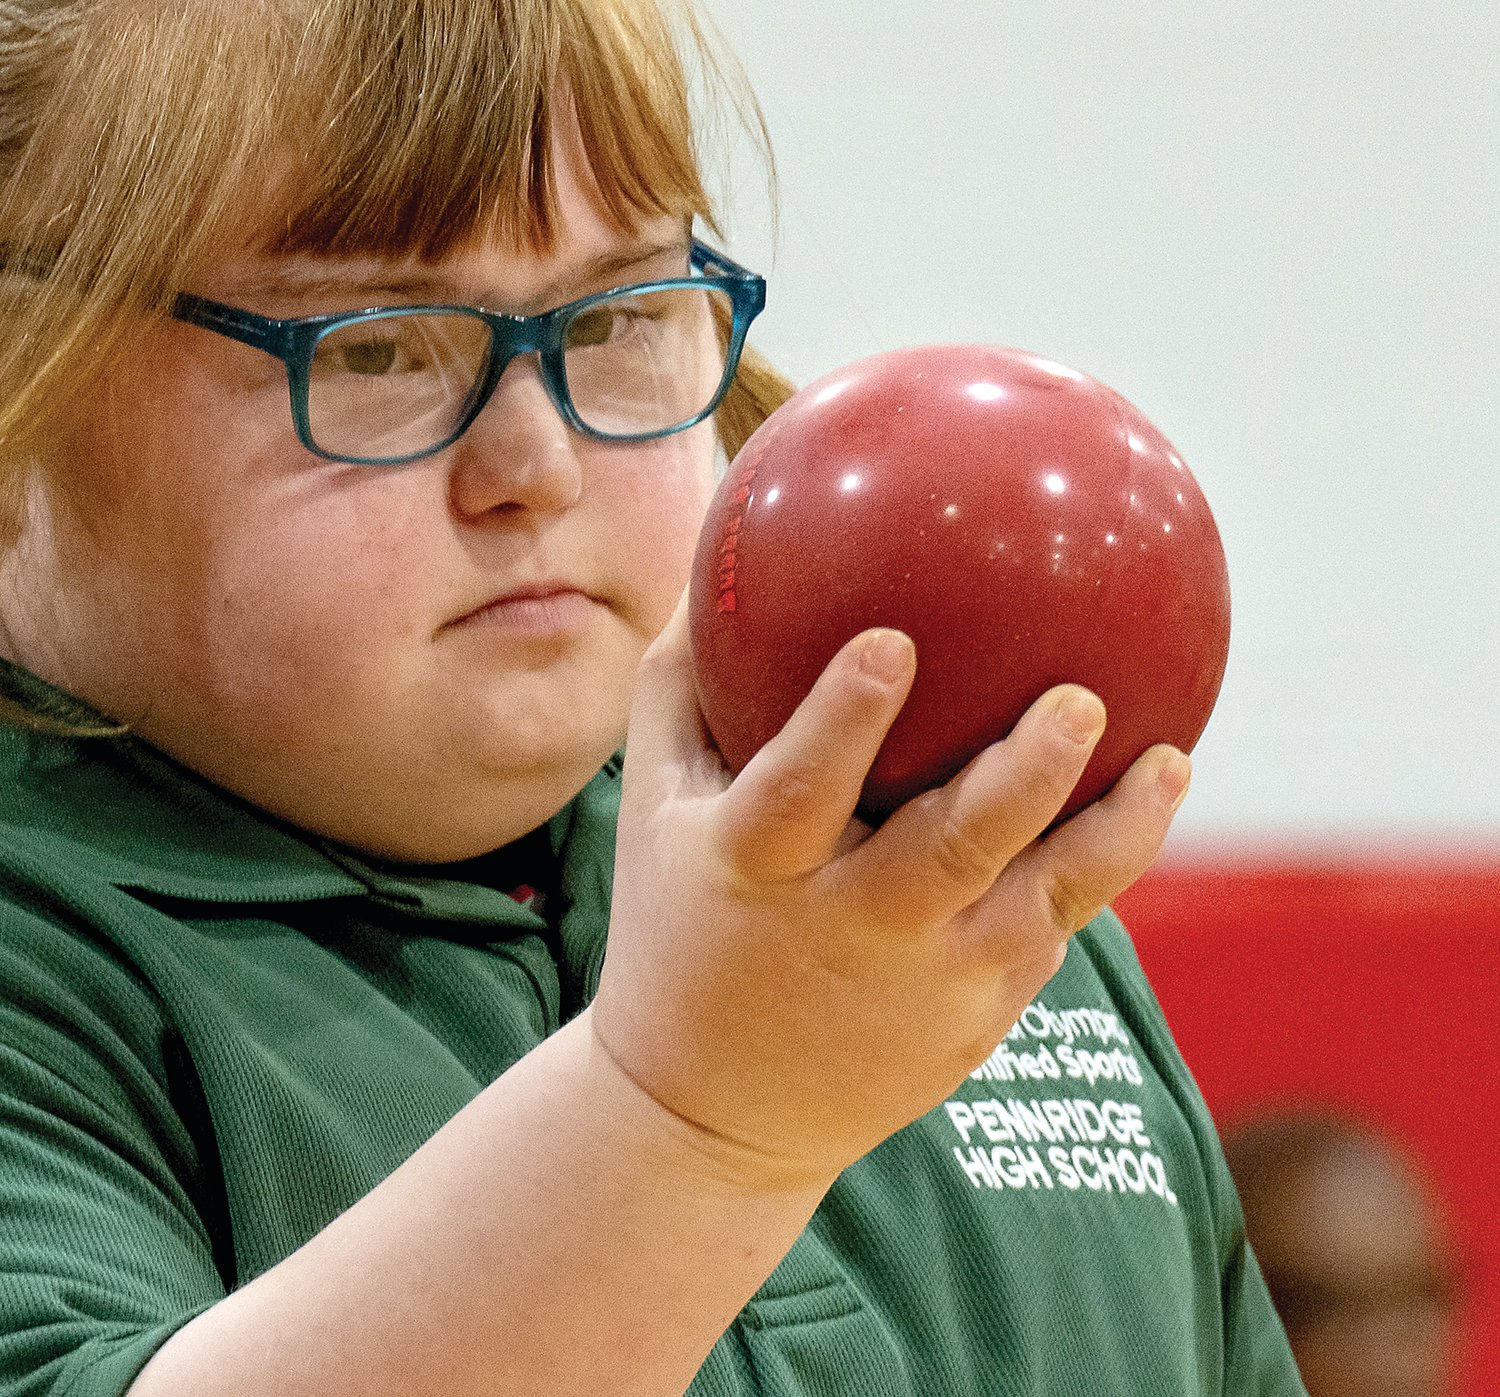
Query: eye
{"x": 383, "y": 347}
{"x": 367, "y": 356}
{"x": 593, "y": 327}
{"x": 618, "y": 320}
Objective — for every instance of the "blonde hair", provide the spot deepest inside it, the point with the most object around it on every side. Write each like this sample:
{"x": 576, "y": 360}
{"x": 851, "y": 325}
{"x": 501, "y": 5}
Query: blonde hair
{"x": 135, "y": 137}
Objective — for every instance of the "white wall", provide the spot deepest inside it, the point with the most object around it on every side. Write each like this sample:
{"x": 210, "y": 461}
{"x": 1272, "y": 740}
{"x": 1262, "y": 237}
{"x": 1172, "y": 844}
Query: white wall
{"x": 1274, "y": 227}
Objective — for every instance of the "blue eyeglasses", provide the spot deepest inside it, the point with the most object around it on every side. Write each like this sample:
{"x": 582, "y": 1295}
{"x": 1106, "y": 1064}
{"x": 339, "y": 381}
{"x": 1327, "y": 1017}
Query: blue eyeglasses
{"x": 388, "y": 385}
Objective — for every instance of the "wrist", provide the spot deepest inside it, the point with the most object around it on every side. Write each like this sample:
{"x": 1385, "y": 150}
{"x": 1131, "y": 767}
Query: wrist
{"x": 696, "y": 1153}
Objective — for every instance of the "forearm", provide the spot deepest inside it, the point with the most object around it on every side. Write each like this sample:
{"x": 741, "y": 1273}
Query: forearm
{"x": 561, "y": 1235}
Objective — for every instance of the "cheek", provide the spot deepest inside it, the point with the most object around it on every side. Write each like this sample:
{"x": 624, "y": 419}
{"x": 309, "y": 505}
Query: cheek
{"x": 655, "y": 513}
{"x": 234, "y": 574}
{"x": 325, "y": 588}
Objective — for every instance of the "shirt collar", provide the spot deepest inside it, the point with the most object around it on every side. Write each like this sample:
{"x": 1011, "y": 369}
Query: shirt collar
{"x": 119, "y": 808}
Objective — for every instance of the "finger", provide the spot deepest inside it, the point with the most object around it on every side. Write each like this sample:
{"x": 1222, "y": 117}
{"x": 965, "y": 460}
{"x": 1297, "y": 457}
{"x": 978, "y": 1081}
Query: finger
{"x": 667, "y": 746}
{"x": 787, "y": 811}
{"x": 1061, "y": 882}
{"x": 942, "y": 851}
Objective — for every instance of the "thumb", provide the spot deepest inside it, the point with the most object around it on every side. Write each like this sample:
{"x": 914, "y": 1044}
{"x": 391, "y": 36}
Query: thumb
{"x": 667, "y": 747}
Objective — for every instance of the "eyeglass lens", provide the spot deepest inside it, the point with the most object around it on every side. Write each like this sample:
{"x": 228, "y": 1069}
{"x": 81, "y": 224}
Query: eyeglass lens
{"x": 400, "y": 383}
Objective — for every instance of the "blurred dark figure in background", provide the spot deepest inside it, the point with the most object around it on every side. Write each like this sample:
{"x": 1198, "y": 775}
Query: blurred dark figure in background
{"x": 1355, "y": 1251}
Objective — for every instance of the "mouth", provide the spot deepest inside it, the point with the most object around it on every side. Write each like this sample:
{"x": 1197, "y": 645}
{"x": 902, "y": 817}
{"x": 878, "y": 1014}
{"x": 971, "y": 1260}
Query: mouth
{"x": 539, "y": 608}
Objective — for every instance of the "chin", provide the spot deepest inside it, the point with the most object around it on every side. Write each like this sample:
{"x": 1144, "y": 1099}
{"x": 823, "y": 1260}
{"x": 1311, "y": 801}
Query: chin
{"x": 506, "y": 763}
{"x": 483, "y": 813}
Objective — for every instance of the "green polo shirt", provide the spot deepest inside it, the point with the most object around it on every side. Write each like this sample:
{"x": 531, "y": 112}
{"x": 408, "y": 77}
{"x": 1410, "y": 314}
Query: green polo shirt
{"x": 217, "y": 1032}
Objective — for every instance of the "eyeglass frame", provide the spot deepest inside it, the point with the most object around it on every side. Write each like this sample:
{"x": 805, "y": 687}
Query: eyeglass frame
{"x": 295, "y": 340}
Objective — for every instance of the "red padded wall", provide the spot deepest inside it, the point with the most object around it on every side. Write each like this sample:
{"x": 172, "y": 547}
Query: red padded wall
{"x": 1371, "y": 982}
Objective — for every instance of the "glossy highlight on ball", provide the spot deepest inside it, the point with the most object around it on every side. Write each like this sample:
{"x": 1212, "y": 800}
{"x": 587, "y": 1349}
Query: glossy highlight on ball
{"x": 1023, "y": 523}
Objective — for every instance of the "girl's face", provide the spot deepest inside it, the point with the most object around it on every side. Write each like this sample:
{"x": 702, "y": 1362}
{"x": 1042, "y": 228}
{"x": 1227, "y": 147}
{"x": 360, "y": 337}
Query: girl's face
{"x": 423, "y": 661}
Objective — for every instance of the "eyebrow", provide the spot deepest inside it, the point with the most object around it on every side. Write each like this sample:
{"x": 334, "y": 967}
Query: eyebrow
{"x": 312, "y": 280}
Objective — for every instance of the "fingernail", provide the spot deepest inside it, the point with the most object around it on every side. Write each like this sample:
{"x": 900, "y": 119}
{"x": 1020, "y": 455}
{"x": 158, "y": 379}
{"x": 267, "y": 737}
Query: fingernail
{"x": 1172, "y": 777}
{"x": 1080, "y": 715}
{"x": 886, "y": 656}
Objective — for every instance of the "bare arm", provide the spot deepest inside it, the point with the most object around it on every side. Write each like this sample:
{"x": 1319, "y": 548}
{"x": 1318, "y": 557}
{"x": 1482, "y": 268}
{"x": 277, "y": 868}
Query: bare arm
{"x": 594, "y": 1220}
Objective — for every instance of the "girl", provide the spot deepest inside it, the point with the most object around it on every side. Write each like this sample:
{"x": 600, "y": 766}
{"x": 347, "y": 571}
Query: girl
{"x": 360, "y": 395}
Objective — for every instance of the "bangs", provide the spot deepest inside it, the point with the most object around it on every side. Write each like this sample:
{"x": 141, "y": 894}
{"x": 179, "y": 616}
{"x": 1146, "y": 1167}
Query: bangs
{"x": 438, "y": 119}
{"x": 140, "y": 142}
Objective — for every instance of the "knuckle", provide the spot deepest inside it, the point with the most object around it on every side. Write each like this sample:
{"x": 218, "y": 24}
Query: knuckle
{"x": 961, "y": 858}
{"x": 789, "y": 797}
{"x": 1067, "y": 904}
{"x": 1043, "y": 773}
{"x": 1046, "y": 784}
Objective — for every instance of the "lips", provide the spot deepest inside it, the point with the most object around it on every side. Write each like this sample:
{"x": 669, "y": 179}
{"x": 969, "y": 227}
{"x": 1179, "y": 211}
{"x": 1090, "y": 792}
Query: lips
{"x": 551, "y": 602}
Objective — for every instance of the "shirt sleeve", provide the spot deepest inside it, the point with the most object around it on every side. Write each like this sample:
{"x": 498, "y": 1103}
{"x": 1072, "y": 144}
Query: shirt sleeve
{"x": 1258, "y": 1361}
{"x": 104, "y": 1248}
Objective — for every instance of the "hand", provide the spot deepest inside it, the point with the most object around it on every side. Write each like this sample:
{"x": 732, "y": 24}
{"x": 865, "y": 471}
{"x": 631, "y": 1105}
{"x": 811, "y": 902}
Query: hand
{"x": 796, "y": 987}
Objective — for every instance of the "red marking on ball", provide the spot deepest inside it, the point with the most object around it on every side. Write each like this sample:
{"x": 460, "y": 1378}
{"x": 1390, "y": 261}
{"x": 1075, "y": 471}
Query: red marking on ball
{"x": 743, "y": 482}
{"x": 1024, "y": 524}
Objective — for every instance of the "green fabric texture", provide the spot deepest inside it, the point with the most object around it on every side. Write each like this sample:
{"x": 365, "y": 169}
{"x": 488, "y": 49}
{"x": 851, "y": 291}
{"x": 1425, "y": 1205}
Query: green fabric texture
{"x": 216, "y": 1033}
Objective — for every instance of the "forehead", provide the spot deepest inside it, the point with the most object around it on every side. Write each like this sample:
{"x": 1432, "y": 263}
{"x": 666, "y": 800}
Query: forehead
{"x": 509, "y": 279}
{"x": 589, "y": 248}
{"x": 502, "y": 133}
{"x": 583, "y": 222}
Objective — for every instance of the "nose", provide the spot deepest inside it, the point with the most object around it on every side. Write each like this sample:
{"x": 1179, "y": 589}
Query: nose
{"x": 518, "y": 452}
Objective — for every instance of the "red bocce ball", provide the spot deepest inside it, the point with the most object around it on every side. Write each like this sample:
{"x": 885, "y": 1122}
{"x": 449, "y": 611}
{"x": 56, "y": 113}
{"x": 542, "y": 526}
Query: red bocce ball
{"x": 1021, "y": 522}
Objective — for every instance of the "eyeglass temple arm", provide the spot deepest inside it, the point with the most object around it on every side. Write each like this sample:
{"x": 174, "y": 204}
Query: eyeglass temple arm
{"x": 259, "y": 331}
{"x": 750, "y": 299}
{"x": 708, "y": 259}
